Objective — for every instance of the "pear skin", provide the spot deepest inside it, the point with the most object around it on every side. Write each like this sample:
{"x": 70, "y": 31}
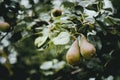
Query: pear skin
{"x": 73, "y": 54}
{"x": 4, "y": 26}
{"x": 56, "y": 12}
{"x": 87, "y": 49}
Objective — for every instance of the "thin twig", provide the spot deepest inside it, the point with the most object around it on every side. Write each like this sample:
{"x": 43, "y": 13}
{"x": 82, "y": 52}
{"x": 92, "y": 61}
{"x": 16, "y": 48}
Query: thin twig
{"x": 3, "y": 36}
{"x": 76, "y": 71}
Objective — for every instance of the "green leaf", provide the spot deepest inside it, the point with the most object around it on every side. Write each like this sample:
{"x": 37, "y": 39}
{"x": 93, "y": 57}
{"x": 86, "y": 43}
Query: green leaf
{"x": 58, "y": 66}
{"x": 68, "y": 4}
{"x": 87, "y": 3}
{"x": 79, "y": 9}
{"x": 48, "y": 73}
{"x": 45, "y": 16}
{"x": 40, "y": 41}
{"x": 114, "y": 20}
{"x": 92, "y": 7}
{"x": 108, "y": 4}
{"x": 118, "y": 44}
{"x": 20, "y": 26}
{"x": 90, "y": 13}
{"x": 46, "y": 65}
{"x": 62, "y": 39}
{"x": 90, "y": 20}
{"x": 46, "y": 31}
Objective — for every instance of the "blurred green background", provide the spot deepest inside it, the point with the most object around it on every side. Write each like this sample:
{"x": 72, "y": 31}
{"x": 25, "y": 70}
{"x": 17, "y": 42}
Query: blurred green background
{"x": 35, "y": 46}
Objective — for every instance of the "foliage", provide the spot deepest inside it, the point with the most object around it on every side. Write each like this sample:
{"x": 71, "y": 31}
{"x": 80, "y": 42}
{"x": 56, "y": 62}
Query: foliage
{"x": 36, "y": 44}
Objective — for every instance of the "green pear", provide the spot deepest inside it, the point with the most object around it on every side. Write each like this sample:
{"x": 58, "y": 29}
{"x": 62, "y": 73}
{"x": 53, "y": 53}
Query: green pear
{"x": 73, "y": 54}
{"x": 4, "y": 26}
{"x": 87, "y": 49}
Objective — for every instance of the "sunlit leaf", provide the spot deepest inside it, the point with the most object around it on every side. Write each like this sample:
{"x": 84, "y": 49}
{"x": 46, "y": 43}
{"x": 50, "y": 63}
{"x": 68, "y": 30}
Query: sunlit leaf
{"x": 59, "y": 65}
{"x": 68, "y": 4}
{"x": 40, "y": 41}
{"x": 45, "y": 31}
{"x": 90, "y": 13}
{"x": 90, "y": 20}
{"x": 47, "y": 73}
{"x": 108, "y": 4}
{"x": 62, "y": 38}
{"x": 45, "y": 16}
{"x": 86, "y": 3}
{"x": 46, "y": 65}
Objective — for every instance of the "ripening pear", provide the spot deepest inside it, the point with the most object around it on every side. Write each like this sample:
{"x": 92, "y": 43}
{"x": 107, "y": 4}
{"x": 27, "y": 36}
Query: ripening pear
{"x": 73, "y": 54}
{"x": 56, "y": 12}
{"x": 4, "y": 26}
{"x": 87, "y": 49}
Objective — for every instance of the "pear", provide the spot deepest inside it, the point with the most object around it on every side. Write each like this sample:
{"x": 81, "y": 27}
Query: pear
{"x": 73, "y": 54}
{"x": 4, "y": 26}
{"x": 87, "y": 49}
{"x": 56, "y": 12}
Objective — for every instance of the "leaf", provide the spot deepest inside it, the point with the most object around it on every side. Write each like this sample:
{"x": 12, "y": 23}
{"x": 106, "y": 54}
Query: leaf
{"x": 118, "y": 44}
{"x": 95, "y": 40}
{"x": 55, "y": 61}
{"x": 46, "y": 31}
{"x": 90, "y": 20}
{"x": 92, "y": 7}
{"x": 108, "y": 4}
{"x": 114, "y": 20}
{"x": 79, "y": 9}
{"x": 90, "y": 13}
{"x": 40, "y": 41}
{"x": 58, "y": 66}
{"x": 44, "y": 16}
{"x": 109, "y": 78}
{"x": 57, "y": 3}
{"x": 48, "y": 73}
{"x": 20, "y": 26}
{"x": 68, "y": 4}
{"x": 62, "y": 39}
{"x": 46, "y": 65}
{"x": 86, "y": 3}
